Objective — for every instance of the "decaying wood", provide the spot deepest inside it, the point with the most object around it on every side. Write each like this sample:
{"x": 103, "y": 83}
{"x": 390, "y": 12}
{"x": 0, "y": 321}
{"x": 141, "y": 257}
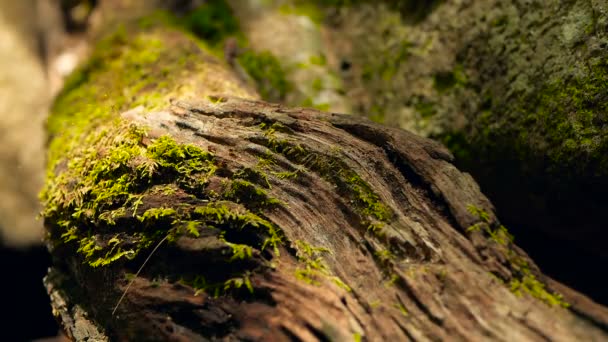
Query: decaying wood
{"x": 345, "y": 231}
{"x": 441, "y": 282}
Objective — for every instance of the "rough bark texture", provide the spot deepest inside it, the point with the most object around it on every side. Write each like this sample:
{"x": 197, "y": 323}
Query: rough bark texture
{"x": 268, "y": 223}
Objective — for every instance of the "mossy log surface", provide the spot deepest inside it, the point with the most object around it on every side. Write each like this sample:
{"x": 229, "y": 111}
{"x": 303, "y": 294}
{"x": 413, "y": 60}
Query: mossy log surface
{"x": 253, "y": 221}
{"x": 295, "y": 238}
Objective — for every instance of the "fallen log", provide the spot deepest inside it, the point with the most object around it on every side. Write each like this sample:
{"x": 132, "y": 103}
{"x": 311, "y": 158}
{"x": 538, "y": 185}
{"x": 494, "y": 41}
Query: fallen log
{"x": 180, "y": 207}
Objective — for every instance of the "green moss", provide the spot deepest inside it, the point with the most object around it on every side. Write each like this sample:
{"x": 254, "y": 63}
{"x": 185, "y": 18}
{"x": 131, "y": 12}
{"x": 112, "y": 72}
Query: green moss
{"x": 402, "y": 309}
{"x": 385, "y": 257}
{"x": 522, "y": 279}
{"x": 242, "y": 191}
{"x": 267, "y": 72}
{"x": 107, "y": 178}
{"x": 572, "y": 113}
{"x": 103, "y": 182}
{"x": 219, "y": 215}
{"x": 393, "y": 279}
{"x": 314, "y": 267}
{"x": 554, "y": 134}
{"x": 127, "y": 68}
{"x": 184, "y": 160}
{"x": 425, "y": 108}
{"x": 202, "y": 285}
{"x": 444, "y": 81}
{"x": 157, "y": 214}
{"x": 111, "y": 190}
{"x": 212, "y": 22}
{"x": 305, "y": 9}
{"x": 193, "y": 228}
{"x": 320, "y": 60}
{"x": 254, "y": 175}
{"x": 374, "y": 214}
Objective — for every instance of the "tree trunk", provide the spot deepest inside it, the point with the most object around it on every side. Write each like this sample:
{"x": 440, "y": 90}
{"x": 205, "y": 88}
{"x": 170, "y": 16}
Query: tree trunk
{"x": 218, "y": 216}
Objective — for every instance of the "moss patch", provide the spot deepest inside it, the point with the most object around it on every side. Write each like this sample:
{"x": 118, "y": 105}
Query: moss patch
{"x": 314, "y": 267}
{"x": 212, "y": 22}
{"x": 522, "y": 279}
{"x": 558, "y": 130}
{"x": 446, "y": 80}
{"x": 267, "y": 72}
{"x": 374, "y": 214}
{"x": 113, "y": 192}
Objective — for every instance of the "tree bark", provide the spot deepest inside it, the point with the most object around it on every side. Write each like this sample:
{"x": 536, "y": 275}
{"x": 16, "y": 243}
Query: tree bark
{"x": 221, "y": 217}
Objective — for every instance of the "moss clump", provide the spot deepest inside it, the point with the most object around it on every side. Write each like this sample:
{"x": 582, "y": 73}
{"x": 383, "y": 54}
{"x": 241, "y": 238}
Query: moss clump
{"x": 112, "y": 175}
{"x": 218, "y": 214}
{"x": 183, "y": 160}
{"x": 267, "y": 72}
{"x": 113, "y": 192}
{"x": 105, "y": 181}
{"x": 242, "y": 191}
{"x": 522, "y": 280}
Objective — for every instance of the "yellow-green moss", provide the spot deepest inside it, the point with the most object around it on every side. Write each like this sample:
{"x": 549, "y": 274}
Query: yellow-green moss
{"x": 314, "y": 267}
{"x": 522, "y": 279}
{"x": 306, "y": 9}
{"x": 112, "y": 191}
{"x": 105, "y": 180}
{"x": 218, "y": 214}
{"x": 551, "y": 137}
{"x": 202, "y": 285}
{"x": 374, "y": 214}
